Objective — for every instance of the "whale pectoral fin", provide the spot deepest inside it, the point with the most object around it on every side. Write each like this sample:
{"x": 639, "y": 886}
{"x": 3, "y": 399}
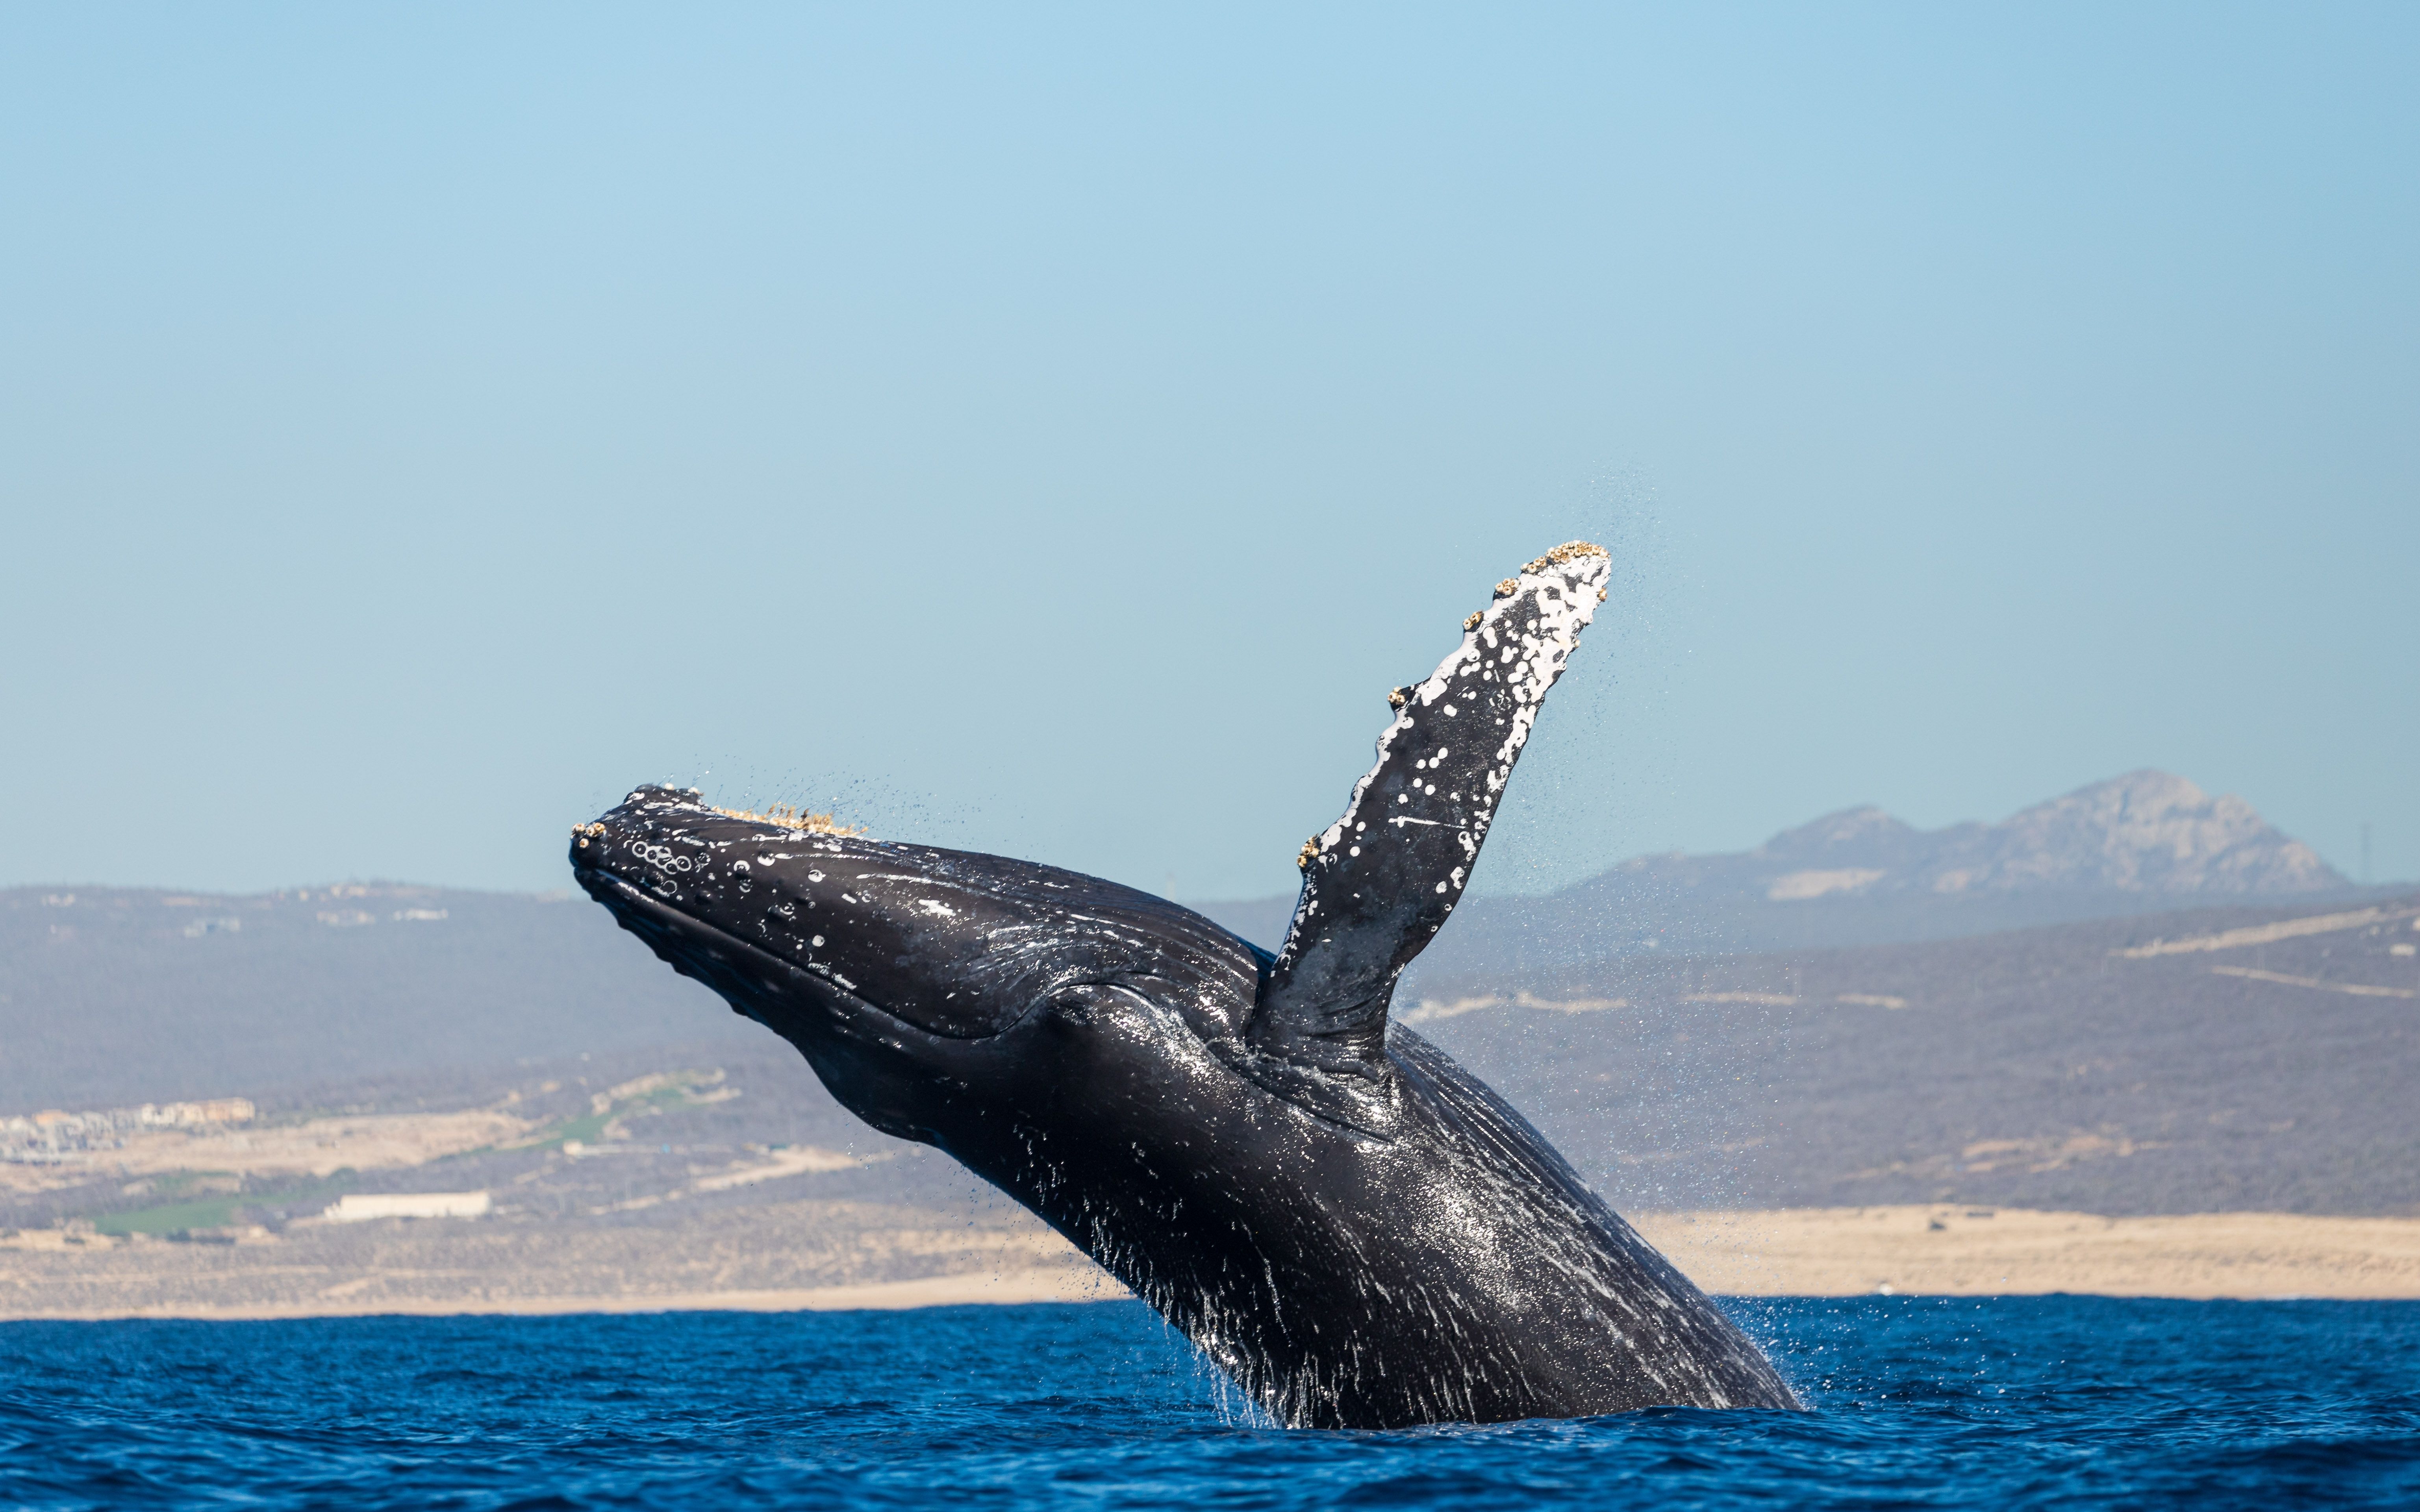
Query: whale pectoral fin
{"x": 1379, "y": 882}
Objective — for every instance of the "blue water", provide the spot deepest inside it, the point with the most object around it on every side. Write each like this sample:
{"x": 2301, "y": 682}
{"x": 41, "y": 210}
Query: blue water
{"x": 2019, "y": 1403}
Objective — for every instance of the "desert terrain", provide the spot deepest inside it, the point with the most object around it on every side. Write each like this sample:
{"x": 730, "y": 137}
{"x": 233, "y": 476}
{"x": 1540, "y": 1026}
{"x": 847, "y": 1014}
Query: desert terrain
{"x": 622, "y": 1199}
{"x": 803, "y": 1254}
{"x": 424, "y": 1101}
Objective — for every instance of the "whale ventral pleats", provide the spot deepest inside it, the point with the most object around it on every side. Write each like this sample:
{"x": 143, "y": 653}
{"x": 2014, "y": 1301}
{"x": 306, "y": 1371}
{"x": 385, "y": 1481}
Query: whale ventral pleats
{"x": 1379, "y": 882}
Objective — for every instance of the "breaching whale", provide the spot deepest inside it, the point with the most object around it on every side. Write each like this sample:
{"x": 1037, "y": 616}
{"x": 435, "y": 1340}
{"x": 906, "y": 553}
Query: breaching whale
{"x": 1351, "y": 1225}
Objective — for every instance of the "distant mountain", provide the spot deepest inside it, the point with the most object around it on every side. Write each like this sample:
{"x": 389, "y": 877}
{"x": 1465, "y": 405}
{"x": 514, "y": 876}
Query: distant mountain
{"x": 2142, "y": 842}
{"x": 2146, "y": 832}
{"x": 112, "y": 996}
{"x": 2250, "y": 1055}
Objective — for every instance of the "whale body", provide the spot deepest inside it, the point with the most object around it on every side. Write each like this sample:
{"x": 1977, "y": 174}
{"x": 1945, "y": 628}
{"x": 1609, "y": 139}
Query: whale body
{"x": 1359, "y": 1232}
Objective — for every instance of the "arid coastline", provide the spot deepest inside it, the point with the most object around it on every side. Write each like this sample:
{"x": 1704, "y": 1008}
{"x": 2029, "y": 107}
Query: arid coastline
{"x": 1958, "y": 1251}
{"x": 803, "y": 1257}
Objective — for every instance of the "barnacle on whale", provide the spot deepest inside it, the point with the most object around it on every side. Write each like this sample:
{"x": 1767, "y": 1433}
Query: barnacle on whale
{"x": 794, "y": 816}
{"x": 1566, "y": 552}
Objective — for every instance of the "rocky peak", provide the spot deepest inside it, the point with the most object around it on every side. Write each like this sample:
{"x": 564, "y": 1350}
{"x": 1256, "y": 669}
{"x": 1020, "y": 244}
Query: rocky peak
{"x": 1868, "y": 826}
{"x": 2149, "y": 831}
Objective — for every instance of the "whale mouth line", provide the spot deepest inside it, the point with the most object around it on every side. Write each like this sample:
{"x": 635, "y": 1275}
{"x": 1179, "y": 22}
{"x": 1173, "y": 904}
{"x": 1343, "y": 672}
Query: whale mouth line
{"x": 630, "y": 892}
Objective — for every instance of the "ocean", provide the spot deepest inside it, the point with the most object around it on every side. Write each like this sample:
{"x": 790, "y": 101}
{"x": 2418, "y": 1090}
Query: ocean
{"x": 1918, "y": 1402}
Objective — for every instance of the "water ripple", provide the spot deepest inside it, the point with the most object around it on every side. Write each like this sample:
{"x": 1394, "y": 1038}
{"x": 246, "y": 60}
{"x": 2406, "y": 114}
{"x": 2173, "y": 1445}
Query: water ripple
{"x": 2015, "y": 1402}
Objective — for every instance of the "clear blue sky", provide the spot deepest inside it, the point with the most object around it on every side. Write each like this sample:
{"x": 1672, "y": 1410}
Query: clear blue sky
{"x": 1053, "y": 431}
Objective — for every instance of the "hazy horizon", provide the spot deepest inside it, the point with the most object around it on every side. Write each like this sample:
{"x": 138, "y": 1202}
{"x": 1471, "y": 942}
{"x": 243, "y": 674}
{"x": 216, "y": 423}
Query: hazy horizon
{"x": 2190, "y": 898}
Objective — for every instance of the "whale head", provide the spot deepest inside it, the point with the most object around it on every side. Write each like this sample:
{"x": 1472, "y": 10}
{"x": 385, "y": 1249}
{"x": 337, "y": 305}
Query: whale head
{"x": 892, "y": 966}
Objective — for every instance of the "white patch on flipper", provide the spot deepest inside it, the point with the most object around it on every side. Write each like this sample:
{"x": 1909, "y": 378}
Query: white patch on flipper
{"x": 1555, "y": 600}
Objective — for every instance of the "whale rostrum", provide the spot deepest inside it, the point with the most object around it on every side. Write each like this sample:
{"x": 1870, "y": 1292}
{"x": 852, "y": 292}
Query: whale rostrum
{"x": 1348, "y": 1223}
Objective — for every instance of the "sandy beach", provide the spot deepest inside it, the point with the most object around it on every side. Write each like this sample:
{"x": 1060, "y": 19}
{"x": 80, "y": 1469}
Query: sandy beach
{"x": 824, "y": 1257}
{"x": 1955, "y": 1251}
{"x": 1050, "y": 1283}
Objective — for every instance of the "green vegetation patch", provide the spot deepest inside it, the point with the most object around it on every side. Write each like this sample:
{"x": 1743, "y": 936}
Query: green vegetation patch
{"x": 679, "y": 1089}
{"x": 213, "y": 1212}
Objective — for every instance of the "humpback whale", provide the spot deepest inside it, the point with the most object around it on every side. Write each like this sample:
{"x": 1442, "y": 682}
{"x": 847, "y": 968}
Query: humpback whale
{"x": 1359, "y": 1232}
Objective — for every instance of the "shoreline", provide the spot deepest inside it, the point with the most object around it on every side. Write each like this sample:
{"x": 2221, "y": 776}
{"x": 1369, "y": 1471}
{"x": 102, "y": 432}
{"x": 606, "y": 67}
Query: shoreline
{"x": 1806, "y": 1252}
{"x": 1944, "y": 1249}
{"x": 1008, "y": 1290}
